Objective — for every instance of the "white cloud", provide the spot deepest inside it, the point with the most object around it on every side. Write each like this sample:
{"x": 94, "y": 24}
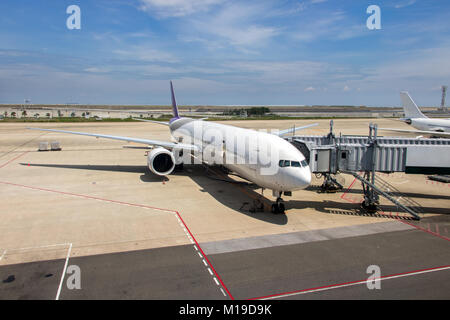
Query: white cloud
{"x": 403, "y": 4}
{"x": 97, "y": 70}
{"x": 275, "y": 71}
{"x": 146, "y": 53}
{"x": 238, "y": 24}
{"x": 309, "y": 89}
{"x": 176, "y": 8}
{"x": 310, "y": 30}
{"x": 12, "y": 53}
{"x": 333, "y": 26}
{"x": 429, "y": 63}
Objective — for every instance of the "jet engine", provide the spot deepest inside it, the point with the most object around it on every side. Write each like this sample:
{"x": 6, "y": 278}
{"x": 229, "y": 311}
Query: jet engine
{"x": 161, "y": 161}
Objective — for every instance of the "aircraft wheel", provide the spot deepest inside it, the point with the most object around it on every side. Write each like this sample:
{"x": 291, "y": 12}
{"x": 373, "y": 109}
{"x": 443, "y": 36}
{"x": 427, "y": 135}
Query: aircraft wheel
{"x": 371, "y": 208}
{"x": 274, "y": 208}
{"x": 281, "y": 207}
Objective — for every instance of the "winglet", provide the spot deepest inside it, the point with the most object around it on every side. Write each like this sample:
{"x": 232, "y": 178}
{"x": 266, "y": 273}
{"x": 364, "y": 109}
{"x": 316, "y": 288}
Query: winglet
{"x": 174, "y": 104}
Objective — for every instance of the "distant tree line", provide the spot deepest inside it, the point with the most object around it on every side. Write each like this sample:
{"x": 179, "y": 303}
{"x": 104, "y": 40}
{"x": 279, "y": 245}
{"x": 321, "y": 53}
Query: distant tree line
{"x": 253, "y": 111}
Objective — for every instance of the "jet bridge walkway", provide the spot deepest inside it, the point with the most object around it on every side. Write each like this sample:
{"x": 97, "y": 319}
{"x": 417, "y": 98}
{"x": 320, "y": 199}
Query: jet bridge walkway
{"x": 332, "y": 154}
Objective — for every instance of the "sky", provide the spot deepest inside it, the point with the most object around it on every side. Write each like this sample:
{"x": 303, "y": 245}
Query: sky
{"x": 224, "y": 52}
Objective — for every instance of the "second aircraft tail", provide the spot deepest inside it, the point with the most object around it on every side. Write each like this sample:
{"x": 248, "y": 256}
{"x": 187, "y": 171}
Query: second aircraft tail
{"x": 409, "y": 106}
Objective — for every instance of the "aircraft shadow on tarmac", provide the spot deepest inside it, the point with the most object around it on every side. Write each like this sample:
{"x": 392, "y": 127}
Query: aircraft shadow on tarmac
{"x": 240, "y": 196}
{"x": 221, "y": 188}
{"x": 111, "y": 168}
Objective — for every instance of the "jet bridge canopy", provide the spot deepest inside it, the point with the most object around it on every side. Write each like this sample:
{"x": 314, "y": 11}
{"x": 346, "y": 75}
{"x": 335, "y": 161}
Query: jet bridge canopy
{"x": 329, "y": 154}
{"x": 392, "y": 154}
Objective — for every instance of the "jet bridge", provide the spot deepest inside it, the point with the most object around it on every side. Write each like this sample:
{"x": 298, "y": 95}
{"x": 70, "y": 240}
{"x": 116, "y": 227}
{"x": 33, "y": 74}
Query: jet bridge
{"x": 332, "y": 154}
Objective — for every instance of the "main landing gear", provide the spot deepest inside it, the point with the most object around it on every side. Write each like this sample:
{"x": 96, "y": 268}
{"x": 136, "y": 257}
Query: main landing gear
{"x": 278, "y": 206}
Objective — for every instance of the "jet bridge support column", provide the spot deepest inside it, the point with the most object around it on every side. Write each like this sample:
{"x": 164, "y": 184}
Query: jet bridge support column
{"x": 330, "y": 184}
{"x": 371, "y": 198}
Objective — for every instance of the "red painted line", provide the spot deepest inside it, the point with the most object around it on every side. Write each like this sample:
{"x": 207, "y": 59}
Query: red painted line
{"x": 8, "y": 162}
{"x": 425, "y": 230}
{"x": 129, "y": 204}
{"x": 347, "y": 283}
{"x": 348, "y": 189}
{"x": 397, "y": 217}
{"x": 203, "y": 253}
{"x": 84, "y": 196}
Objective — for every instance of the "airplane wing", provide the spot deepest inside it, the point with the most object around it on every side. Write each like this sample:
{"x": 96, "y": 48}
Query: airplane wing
{"x": 435, "y": 133}
{"x": 283, "y": 132}
{"x": 152, "y": 121}
{"x": 169, "y": 145}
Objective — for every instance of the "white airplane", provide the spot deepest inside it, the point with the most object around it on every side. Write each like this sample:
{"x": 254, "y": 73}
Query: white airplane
{"x": 415, "y": 118}
{"x": 263, "y": 158}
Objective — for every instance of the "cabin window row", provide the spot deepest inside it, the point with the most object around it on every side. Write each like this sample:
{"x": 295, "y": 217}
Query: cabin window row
{"x": 288, "y": 163}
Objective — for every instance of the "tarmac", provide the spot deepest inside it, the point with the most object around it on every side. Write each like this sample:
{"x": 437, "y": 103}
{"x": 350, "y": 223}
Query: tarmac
{"x": 133, "y": 235}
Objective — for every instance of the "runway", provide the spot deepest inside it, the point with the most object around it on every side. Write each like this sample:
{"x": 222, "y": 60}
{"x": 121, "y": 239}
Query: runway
{"x": 136, "y": 236}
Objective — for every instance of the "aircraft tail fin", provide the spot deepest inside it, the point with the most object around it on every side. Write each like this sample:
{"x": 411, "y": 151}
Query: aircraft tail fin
{"x": 174, "y": 104}
{"x": 409, "y": 106}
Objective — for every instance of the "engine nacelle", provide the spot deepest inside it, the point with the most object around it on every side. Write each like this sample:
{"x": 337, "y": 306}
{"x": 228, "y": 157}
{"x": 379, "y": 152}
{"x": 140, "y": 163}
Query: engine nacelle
{"x": 161, "y": 161}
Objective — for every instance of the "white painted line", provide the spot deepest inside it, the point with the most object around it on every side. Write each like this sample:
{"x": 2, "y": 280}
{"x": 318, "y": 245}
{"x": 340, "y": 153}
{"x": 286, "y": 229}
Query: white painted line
{"x": 355, "y": 283}
{"x": 199, "y": 254}
{"x": 3, "y": 254}
{"x": 64, "y": 272}
{"x": 40, "y": 247}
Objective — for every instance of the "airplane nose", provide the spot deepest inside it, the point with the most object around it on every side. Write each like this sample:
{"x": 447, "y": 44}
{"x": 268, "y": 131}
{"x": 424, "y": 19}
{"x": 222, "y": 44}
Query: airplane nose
{"x": 300, "y": 179}
{"x": 307, "y": 176}
{"x": 304, "y": 179}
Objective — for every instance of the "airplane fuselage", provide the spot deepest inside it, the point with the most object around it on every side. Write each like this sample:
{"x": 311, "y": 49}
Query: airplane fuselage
{"x": 259, "y": 157}
{"x": 427, "y": 124}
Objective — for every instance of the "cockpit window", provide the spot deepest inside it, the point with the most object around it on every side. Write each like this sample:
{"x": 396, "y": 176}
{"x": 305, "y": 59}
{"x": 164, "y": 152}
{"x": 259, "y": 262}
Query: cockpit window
{"x": 295, "y": 163}
{"x": 284, "y": 163}
{"x": 288, "y": 163}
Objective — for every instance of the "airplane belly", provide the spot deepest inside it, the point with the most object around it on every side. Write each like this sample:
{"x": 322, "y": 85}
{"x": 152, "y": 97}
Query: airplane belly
{"x": 252, "y": 175}
{"x": 243, "y": 171}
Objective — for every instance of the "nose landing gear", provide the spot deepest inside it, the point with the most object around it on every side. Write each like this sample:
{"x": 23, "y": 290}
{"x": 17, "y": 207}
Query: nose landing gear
{"x": 278, "y": 206}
